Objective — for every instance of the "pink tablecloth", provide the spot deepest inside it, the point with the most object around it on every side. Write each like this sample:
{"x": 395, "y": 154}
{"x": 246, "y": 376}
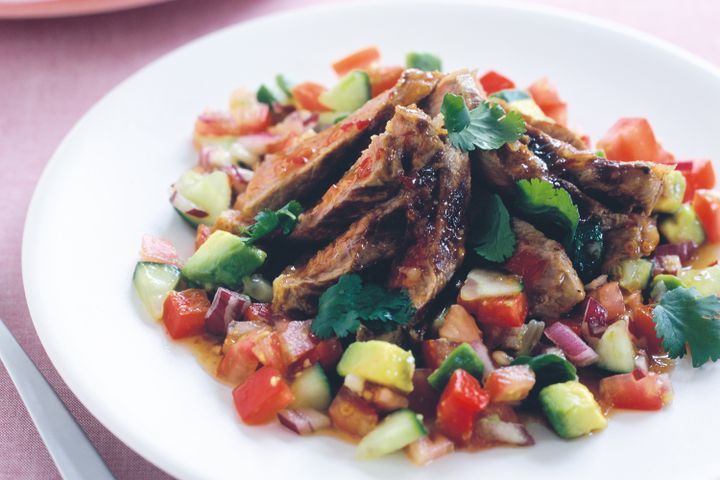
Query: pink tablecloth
{"x": 52, "y": 71}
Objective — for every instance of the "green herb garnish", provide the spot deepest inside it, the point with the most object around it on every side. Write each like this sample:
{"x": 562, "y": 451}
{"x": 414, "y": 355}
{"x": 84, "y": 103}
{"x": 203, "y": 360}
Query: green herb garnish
{"x": 268, "y": 221}
{"x": 541, "y": 199}
{"x": 495, "y": 241}
{"x": 423, "y": 61}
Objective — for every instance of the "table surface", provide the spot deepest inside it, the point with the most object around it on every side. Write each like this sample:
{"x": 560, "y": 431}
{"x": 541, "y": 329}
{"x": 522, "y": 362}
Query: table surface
{"x": 53, "y": 70}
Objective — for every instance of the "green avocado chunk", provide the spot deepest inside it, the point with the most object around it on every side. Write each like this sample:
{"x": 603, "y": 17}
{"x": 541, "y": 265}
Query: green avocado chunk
{"x": 571, "y": 409}
{"x": 380, "y": 362}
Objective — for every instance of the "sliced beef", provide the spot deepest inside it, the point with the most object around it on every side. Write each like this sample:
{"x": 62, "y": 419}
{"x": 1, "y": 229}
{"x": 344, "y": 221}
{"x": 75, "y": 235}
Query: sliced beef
{"x": 504, "y": 167}
{"x": 410, "y": 138}
{"x": 461, "y": 82}
{"x": 377, "y": 236}
{"x": 438, "y": 216}
{"x": 551, "y": 283}
{"x": 313, "y": 163}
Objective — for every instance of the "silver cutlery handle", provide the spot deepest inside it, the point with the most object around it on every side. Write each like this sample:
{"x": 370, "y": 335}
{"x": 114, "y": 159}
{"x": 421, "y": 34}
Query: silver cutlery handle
{"x": 70, "y": 449}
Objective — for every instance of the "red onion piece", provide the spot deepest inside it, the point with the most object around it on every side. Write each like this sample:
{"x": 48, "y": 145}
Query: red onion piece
{"x": 257, "y": 143}
{"x": 226, "y": 307}
{"x": 303, "y": 421}
{"x": 684, "y": 166}
{"x": 185, "y": 206}
{"x": 484, "y": 355}
{"x": 596, "y": 317}
{"x": 296, "y": 340}
{"x": 495, "y": 431}
{"x": 574, "y": 348}
{"x": 684, "y": 250}
{"x": 426, "y": 449}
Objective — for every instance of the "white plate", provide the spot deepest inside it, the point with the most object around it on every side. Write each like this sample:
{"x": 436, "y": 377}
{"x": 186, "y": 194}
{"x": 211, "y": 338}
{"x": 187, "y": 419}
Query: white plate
{"x": 107, "y": 185}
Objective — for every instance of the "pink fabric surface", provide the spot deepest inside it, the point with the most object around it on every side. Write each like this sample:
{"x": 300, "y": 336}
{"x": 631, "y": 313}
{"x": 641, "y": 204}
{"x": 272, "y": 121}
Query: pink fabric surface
{"x": 52, "y": 71}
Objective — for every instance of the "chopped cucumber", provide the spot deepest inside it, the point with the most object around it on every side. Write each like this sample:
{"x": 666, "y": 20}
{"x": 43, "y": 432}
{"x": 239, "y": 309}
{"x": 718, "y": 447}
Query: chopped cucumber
{"x": 311, "y": 389}
{"x": 662, "y": 284}
{"x": 379, "y": 362}
{"x": 331, "y": 118}
{"x": 462, "y": 357}
{"x": 201, "y": 198}
{"x": 615, "y": 349}
{"x": 705, "y": 280}
{"x": 571, "y": 409}
{"x": 351, "y": 93}
{"x": 284, "y": 84}
{"x": 222, "y": 261}
{"x": 423, "y": 61}
{"x": 397, "y": 431}
{"x": 683, "y": 226}
{"x": 673, "y": 192}
{"x": 153, "y": 282}
{"x": 633, "y": 274}
{"x": 482, "y": 283}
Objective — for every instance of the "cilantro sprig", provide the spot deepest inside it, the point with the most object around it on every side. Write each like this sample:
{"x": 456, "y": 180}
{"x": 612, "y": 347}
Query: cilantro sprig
{"x": 267, "y": 221}
{"x": 541, "y": 199}
{"x": 348, "y": 304}
{"x": 689, "y": 323}
{"x": 495, "y": 240}
{"x": 487, "y": 127}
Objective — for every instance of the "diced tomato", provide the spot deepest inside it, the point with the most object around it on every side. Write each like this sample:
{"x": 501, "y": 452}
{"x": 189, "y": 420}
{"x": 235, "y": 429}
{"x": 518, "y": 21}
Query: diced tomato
{"x": 267, "y": 349}
{"x": 184, "y": 312}
{"x": 157, "y": 250}
{"x": 296, "y": 340}
{"x": 610, "y": 297}
{"x": 636, "y": 390}
{"x": 359, "y": 60}
{"x": 352, "y": 414}
{"x": 698, "y": 174}
{"x": 307, "y": 96}
{"x": 251, "y": 116}
{"x": 510, "y": 384}
{"x": 203, "y": 232}
{"x": 548, "y": 99}
{"x": 642, "y": 326}
{"x": 259, "y": 312}
{"x": 436, "y": 351}
{"x": 424, "y": 398}
{"x": 459, "y": 326}
{"x": 461, "y": 401}
{"x": 633, "y": 139}
{"x": 384, "y": 78}
{"x": 706, "y": 204}
{"x": 238, "y": 362}
{"x": 261, "y": 396}
{"x": 493, "y": 82}
{"x": 509, "y": 311}
{"x": 327, "y": 353}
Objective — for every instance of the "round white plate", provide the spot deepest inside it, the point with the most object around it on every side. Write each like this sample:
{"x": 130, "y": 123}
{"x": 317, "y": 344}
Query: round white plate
{"x": 107, "y": 185}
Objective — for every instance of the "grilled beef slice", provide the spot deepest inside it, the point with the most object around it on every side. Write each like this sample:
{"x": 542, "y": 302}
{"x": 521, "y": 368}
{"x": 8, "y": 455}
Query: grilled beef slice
{"x": 377, "y": 236}
{"x": 409, "y": 138}
{"x": 310, "y": 165}
{"x": 461, "y": 82}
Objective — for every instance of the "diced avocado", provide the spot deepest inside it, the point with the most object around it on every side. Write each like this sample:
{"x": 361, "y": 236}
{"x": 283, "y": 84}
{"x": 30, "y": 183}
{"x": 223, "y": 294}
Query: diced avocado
{"x": 351, "y": 93}
{"x": 311, "y": 389}
{"x": 222, "y": 261}
{"x": 662, "y": 284}
{"x": 633, "y": 274}
{"x": 615, "y": 349}
{"x": 463, "y": 357}
{"x": 397, "y": 431}
{"x": 423, "y": 61}
{"x": 209, "y": 193}
{"x": 522, "y": 102}
{"x": 672, "y": 194}
{"x": 683, "y": 226}
{"x": 571, "y": 409}
{"x": 705, "y": 280}
{"x": 379, "y": 362}
{"x": 153, "y": 282}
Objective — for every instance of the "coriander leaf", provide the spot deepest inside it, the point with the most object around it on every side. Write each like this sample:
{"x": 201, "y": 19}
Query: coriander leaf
{"x": 683, "y": 317}
{"x": 344, "y": 306}
{"x": 540, "y": 198}
{"x": 265, "y": 95}
{"x": 423, "y": 61}
{"x": 487, "y": 127}
{"x": 268, "y": 221}
{"x": 496, "y": 240}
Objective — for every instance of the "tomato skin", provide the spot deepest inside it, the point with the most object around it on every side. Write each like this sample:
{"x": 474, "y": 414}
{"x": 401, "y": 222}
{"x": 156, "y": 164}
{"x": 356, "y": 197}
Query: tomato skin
{"x": 436, "y": 351}
{"x": 238, "y": 362}
{"x": 548, "y": 99}
{"x": 459, "y": 326}
{"x": 307, "y": 95}
{"x": 493, "y": 82}
{"x": 610, "y": 296}
{"x": 699, "y": 174}
{"x": 510, "y": 311}
{"x": 157, "y": 250}
{"x": 510, "y": 384}
{"x": 633, "y": 139}
{"x": 642, "y": 325}
{"x": 261, "y": 396}
{"x": 184, "y": 312}
{"x": 461, "y": 401}
{"x": 296, "y": 340}
{"x": 327, "y": 353}
{"x": 636, "y": 391}
{"x": 706, "y": 204}
{"x": 268, "y": 350}
{"x": 358, "y": 60}
{"x": 384, "y": 78}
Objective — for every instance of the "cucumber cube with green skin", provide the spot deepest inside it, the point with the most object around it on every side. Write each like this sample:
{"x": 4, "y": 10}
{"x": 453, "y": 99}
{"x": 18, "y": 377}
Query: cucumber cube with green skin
{"x": 222, "y": 261}
{"x": 705, "y": 280}
{"x": 311, "y": 389}
{"x": 351, "y": 93}
{"x": 397, "y": 431}
{"x": 571, "y": 409}
{"x": 683, "y": 226}
{"x": 153, "y": 282}
{"x": 662, "y": 284}
{"x": 615, "y": 349}
{"x": 380, "y": 362}
{"x": 633, "y": 274}
{"x": 673, "y": 193}
{"x": 463, "y": 357}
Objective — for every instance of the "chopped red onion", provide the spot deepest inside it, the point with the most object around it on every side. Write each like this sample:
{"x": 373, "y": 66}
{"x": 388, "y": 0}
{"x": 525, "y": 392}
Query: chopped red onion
{"x": 296, "y": 340}
{"x": 575, "y": 349}
{"x": 495, "y": 431}
{"x": 684, "y": 165}
{"x": 185, "y": 206}
{"x": 239, "y": 177}
{"x": 226, "y": 307}
{"x": 484, "y": 355}
{"x": 684, "y": 250}
{"x": 257, "y": 143}
{"x": 428, "y": 448}
{"x": 304, "y": 421}
{"x": 596, "y": 317}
